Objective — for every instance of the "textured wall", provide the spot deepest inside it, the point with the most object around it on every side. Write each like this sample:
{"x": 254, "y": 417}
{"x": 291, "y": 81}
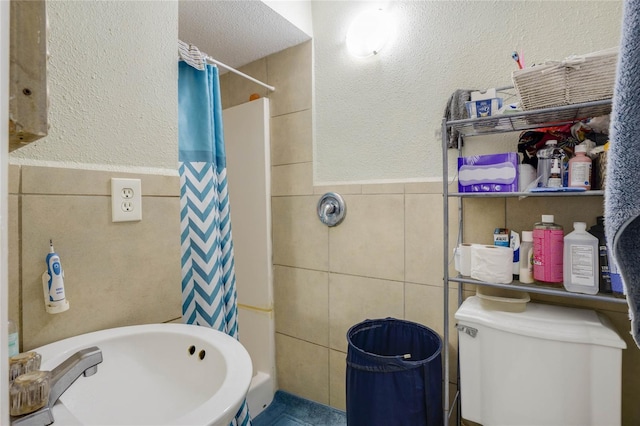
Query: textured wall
{"x": 376, "y": 119}
{"x": 112, "y": 85}
{"x": 296, "y": 12}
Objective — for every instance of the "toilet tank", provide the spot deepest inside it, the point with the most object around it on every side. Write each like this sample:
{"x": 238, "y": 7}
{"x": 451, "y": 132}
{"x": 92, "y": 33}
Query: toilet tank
{"x": 548, "y": 365}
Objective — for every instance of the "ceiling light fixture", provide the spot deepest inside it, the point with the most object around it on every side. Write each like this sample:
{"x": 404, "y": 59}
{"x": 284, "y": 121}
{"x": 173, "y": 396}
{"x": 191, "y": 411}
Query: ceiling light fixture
{"x": 368, "y": 33}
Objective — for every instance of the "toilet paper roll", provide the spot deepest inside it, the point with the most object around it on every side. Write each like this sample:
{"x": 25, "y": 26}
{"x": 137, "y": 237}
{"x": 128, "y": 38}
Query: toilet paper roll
{"x": 464, "y": 253}
{"x": 492, "y": 264}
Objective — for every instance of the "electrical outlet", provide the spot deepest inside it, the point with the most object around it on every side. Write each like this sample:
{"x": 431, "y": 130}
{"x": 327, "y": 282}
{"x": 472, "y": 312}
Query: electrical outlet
{"x": 127, "y": 206}
{"x": 127, "y": 193}
{"x": 126, "y": 200}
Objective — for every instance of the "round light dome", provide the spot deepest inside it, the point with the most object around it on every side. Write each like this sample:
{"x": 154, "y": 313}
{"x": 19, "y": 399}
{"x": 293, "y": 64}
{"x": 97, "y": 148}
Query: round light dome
{"x": 368, "y": 33}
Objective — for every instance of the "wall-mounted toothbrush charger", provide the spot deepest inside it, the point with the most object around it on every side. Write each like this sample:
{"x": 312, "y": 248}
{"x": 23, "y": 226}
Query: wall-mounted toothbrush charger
{"x": 52, "y": 307}
{"x": 55, "y": 300}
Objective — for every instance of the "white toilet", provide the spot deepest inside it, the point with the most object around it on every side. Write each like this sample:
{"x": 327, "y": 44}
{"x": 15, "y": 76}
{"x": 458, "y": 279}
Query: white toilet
{"x": 548, "y": 365}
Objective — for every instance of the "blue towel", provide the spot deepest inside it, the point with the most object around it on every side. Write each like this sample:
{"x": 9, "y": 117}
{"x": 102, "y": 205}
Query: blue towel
{"x": 622, "y": 192}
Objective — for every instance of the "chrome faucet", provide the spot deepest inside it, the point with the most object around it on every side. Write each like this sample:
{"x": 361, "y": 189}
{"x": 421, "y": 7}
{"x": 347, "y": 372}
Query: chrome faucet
{"x": 84, "y": 362}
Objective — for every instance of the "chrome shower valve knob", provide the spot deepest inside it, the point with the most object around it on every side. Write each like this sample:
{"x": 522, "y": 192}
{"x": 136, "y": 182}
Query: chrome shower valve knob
{"x": 331, "y": 209}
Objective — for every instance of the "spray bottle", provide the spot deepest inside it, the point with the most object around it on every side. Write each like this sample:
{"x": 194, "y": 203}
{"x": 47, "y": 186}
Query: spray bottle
{"x": 53, "y": 283}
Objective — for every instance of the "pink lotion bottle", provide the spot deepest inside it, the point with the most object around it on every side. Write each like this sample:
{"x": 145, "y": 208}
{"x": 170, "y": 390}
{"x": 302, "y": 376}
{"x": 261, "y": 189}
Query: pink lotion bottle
{"x": 580, "y": 169}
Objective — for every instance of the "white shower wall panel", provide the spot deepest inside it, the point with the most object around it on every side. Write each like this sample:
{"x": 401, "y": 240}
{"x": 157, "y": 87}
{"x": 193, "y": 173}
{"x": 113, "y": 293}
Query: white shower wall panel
{"x": 246, "y": 129}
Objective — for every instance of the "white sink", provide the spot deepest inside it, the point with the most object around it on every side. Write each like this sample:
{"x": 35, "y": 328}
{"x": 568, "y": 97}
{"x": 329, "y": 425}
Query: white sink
{"x": 149, "y": 376}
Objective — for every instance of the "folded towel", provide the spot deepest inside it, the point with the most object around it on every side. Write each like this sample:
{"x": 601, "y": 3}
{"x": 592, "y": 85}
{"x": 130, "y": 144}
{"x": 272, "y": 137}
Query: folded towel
{"x": 191, "y": 55}
{"x": 622, "y": 192}
{"x": 456, "y": 110}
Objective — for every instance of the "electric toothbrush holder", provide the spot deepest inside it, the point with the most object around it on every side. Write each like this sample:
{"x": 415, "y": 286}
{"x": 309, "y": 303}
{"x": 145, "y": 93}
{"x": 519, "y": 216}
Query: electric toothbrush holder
{"x": 52, "y": 307}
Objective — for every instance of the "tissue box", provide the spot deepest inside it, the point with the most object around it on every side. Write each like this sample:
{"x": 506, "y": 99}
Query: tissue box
{"x": 488, "y": 173}
{"x": 483, "y": 107}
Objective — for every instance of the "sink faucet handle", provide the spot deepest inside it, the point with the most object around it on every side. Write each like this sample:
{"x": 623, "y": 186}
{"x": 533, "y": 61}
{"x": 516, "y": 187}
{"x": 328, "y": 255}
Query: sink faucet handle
{"x": 84, "y": 362}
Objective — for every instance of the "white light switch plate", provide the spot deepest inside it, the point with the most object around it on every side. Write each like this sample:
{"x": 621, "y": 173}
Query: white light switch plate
{"x": 126, "y": 200}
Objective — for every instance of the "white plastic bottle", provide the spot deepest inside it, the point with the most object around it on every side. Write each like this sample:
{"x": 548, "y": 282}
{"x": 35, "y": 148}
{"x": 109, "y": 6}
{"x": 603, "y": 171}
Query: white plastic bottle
{"x": 14, "y": 341}
{"x": 526, "y": 257}
{"x": 581, "y": 260}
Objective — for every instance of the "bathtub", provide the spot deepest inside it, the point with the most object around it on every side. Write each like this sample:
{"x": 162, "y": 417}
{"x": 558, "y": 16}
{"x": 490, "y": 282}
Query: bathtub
{"x": 156, "y": 374}
{"x": 257, "y": 335}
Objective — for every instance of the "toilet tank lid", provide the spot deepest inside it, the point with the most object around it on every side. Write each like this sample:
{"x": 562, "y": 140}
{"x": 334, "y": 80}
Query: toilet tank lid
{"x": 545, "y": 322}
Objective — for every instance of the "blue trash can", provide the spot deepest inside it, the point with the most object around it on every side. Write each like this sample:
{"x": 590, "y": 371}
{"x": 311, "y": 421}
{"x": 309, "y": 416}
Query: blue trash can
{"x": 394, "y": 374}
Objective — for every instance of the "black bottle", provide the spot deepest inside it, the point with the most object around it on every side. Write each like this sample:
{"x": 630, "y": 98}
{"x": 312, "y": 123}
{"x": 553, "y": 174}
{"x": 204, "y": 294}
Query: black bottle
{"x": 597, "y": 231}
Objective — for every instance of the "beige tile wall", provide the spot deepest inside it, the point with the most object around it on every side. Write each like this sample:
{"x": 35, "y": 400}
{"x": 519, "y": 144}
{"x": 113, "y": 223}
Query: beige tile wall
{"x": 385, "y": 259}
{"x": 116, "y": 274}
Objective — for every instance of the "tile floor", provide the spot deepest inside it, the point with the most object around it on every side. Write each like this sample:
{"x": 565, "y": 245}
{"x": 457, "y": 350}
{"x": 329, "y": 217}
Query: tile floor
{"x": 290, "y": 410}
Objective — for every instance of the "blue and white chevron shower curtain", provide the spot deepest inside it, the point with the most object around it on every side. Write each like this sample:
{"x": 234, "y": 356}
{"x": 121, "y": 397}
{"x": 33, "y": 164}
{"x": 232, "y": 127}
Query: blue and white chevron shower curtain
{"x": 209, "y": 295}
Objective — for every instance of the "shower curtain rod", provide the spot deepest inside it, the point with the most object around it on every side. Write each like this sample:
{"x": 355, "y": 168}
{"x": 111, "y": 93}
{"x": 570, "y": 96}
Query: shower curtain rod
{"x": 248, "y": 77}
{"x": 194, "y": 57}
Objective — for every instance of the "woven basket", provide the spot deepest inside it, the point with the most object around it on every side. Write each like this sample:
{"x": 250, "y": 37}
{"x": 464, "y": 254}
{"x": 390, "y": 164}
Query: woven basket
{"x": 575, "y": 80}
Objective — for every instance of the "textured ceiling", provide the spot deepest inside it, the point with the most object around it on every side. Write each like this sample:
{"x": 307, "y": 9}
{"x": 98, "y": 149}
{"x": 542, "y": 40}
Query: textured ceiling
{"x": 236, "y": 32}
